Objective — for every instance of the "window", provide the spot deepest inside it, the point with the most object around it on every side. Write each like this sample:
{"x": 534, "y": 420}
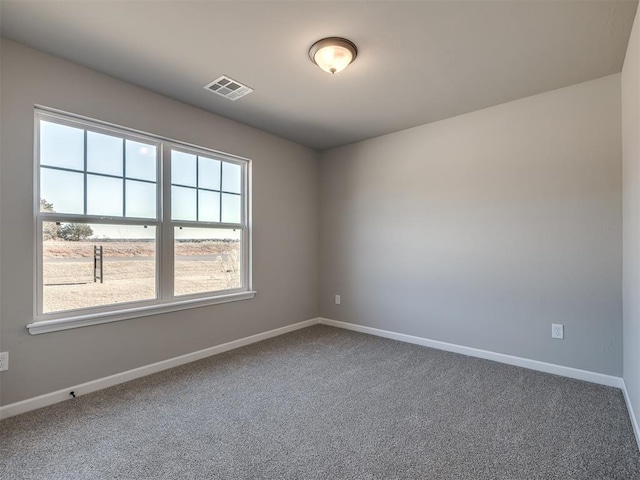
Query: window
{"x": 130, "y": 224}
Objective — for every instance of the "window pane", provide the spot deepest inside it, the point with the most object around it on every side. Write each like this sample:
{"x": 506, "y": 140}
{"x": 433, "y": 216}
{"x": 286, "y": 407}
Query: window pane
{"x": 183, "y": 168}
{"x": 129, "y": 266}
{"x": 183, "y": 203}
{"x": 208, "y": 206}
{"x": 104, "y": 154}
{"x": 61, "y": 146}
{"x": 104, "y": 196}
{"x": 141, "y": 199}
{"x": 141, "y": 160}
{"x": 231, "y": 177}
{"x": 231, "y": 208}
{"x": 208, "y": 173}
{"x": 206, "y": 260}
{"x": 64, "y": 191}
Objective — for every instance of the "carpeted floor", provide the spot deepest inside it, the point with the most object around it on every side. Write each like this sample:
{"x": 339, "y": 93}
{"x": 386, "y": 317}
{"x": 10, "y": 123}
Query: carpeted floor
{"x": 324, "y": 403}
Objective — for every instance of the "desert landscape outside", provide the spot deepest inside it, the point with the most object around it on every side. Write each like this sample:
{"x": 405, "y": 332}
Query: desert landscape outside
{"x": 129, "y": 270}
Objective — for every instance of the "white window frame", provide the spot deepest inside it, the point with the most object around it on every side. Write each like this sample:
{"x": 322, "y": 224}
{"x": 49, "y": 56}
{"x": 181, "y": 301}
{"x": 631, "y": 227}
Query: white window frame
{"x": 165, "y": 300}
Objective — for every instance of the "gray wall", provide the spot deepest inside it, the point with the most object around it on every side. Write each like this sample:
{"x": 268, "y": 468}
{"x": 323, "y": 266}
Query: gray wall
{"x": 631, "y": 215}
{"x": 480, "y": 230}
{"x": 285, "y": 229}
{"x": 484, "y": 229}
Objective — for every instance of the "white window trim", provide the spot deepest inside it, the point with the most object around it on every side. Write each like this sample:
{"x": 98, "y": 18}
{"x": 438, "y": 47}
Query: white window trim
{"x": 67, "y": 323}
{"x": 165, "y": 301}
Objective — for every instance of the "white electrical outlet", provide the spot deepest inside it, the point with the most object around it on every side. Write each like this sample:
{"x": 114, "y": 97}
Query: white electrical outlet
{"x": 557, "y": 331}
{"x": 4, "y": 361}
{"x": 337, "y": 299}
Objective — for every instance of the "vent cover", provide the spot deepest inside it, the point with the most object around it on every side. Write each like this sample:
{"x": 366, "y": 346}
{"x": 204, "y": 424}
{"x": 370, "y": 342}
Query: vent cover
{"x": 228, "y": 88}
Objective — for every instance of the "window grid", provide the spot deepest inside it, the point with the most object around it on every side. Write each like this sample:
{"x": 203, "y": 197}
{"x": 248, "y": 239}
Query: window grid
{"x": 85, "y": 172}
{"x": 164, "y": 256}
{"x": 198, "y": 188}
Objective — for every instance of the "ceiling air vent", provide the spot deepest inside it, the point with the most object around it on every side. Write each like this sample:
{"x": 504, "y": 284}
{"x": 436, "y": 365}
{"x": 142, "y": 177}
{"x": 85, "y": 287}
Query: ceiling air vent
{"x": 228, "y": 88}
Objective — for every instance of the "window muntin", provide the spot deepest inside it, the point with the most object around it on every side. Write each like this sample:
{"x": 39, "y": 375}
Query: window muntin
{"x": 207, "y": 220}
{"x": 205, "y": 189}
{"x": 90, "y": 175}
{"x": 109, "y": 179}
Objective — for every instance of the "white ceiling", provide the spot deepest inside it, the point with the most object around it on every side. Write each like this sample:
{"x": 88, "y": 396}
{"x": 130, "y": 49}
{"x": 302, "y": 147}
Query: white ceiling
{"x": 418, "y": 62}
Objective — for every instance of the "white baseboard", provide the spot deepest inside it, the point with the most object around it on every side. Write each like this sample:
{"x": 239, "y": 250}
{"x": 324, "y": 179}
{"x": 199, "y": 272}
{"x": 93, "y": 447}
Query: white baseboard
{"x": 88, "y": 387}
{"x": 632, "y": 415}
{"x": 602, "y": 379}
{"x": 94, "y": 385}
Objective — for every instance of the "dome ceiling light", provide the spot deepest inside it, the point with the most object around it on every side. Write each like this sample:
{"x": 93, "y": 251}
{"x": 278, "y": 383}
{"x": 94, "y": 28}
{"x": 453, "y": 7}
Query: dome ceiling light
{"x": 333, "y": 54}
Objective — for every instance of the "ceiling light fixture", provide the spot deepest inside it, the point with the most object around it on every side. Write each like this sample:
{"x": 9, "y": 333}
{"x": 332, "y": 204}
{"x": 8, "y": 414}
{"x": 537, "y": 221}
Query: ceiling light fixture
{"x": 333, "y": 54}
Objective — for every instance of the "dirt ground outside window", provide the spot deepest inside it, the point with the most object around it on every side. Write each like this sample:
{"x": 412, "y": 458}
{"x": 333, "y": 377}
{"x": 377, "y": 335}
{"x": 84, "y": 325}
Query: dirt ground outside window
{"x": 129, "y": 271}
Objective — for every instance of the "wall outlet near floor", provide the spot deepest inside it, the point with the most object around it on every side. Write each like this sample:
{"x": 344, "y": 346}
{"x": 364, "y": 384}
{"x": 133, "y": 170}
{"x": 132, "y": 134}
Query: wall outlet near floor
{"x": 337, "y": 299}
{"x": 4, "y": 361}
{"x": 557, "y": 331}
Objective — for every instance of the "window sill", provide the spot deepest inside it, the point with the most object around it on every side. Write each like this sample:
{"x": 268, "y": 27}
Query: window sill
{"x": 46, "y": 326}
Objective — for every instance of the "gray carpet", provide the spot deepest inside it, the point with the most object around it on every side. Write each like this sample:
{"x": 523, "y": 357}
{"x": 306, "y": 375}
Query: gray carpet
{"x": 324, "y": 403}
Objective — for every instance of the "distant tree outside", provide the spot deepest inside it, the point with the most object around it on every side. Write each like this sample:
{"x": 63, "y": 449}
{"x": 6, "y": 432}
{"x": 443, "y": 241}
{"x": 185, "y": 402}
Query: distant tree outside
{"x": 50, "y": 231}
{"x": 71, "y": 231}
{"x": 74, "y": 232}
